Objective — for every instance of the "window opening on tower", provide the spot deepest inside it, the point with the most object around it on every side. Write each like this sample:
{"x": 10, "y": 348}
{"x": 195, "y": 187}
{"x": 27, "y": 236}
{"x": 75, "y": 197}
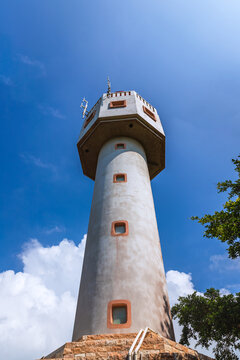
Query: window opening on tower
{"x": 119, "y": 228}
{"x": 118, "y": 104}
{"x": 117, "y": 178}
{"x": 149, "y": 113}
{"x": 119, "y": 314}
{"x": 120, "y": 146}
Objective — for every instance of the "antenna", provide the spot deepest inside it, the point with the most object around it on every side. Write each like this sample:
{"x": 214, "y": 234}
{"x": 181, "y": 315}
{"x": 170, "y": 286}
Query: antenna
{"x": 109, "y": 87}
{"x": 84, "y": 106}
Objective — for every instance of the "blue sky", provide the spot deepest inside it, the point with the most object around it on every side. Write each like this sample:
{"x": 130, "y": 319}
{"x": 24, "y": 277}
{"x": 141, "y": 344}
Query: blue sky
{"x": 183, "y": 57}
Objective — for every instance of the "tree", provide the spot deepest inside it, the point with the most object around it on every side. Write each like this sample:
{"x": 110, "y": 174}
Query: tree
{"x": 225, "y": 224}
{"x": 212, "y": 317}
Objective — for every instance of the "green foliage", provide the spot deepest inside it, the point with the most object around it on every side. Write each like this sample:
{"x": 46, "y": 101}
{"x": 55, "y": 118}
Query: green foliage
{"x": 210, "y": 318}
{"x": 214, "y": 319}
{"x": 225, "y": 224}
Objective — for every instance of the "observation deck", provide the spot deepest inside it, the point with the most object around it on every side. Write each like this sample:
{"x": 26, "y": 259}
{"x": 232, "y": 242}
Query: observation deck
{"x": 122, "y": 113}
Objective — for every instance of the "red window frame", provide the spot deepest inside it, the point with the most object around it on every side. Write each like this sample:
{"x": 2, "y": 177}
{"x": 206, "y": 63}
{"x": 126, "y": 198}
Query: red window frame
{"x": 116, "y": 303}
{"x": 149, "y": 113}
{"x": 119, "y": 222}
{"x": 115, "y": 176}
{"x": 117, "y": 104}
{"x": 122, "y": 148}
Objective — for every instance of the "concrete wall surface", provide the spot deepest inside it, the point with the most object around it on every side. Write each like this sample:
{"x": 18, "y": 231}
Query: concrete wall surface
{"x": 123, "y": 267}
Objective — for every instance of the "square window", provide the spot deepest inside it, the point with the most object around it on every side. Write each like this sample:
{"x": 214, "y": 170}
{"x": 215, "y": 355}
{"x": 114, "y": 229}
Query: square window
{"x": 119, "y": 314}
{"x": 120, "y": 146}
{"x": 119, "y": 178}
{"x": 119, "y": 228}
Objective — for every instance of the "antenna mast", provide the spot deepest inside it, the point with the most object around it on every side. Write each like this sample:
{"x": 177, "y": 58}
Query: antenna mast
{"x": 84, "y": 106}
{"x": 109, "y": 87}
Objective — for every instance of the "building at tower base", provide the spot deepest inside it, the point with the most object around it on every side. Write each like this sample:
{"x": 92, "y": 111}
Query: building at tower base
{"x": 119, "y": 347}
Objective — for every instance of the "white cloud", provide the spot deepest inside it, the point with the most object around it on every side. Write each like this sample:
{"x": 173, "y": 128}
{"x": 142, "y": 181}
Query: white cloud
{"x": 59, "y": 267}
{"x": 37, "y": 306}
{"x": 48, "y": 110}
{"x": 224, "y": 291}
{"x": 31, "y": 62}
{"x": 223, "y": 263}
{"x": 6, "y": 80}
{"x": 30, "y": 159}
{"x": 179, "y": 284}
{"x": 54, "y": 229}
{"x": 235, "y": 287}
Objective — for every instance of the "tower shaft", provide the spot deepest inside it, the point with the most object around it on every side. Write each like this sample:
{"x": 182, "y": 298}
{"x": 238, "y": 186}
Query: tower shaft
{"x": 123, "y": 286}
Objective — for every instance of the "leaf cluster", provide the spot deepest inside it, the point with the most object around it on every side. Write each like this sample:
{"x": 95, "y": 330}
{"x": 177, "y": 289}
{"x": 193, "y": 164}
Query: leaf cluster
{"x": 225, "y": 224}
{"x": 210, "y": 318}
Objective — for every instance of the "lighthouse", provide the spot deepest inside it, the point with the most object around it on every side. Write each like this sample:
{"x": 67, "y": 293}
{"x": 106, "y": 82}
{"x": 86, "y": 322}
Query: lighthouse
{"x": 123, "y": 286}
{"x": 123, "y": 309}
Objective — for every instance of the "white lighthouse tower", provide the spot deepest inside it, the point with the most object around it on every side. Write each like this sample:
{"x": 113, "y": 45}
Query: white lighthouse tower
{"x": 123, "y": 309}
{"x": 123, "y": 286}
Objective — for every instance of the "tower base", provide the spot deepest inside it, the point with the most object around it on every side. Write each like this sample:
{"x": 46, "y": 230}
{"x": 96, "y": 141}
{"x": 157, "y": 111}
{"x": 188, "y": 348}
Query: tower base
{"x": 116, "y": 347}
